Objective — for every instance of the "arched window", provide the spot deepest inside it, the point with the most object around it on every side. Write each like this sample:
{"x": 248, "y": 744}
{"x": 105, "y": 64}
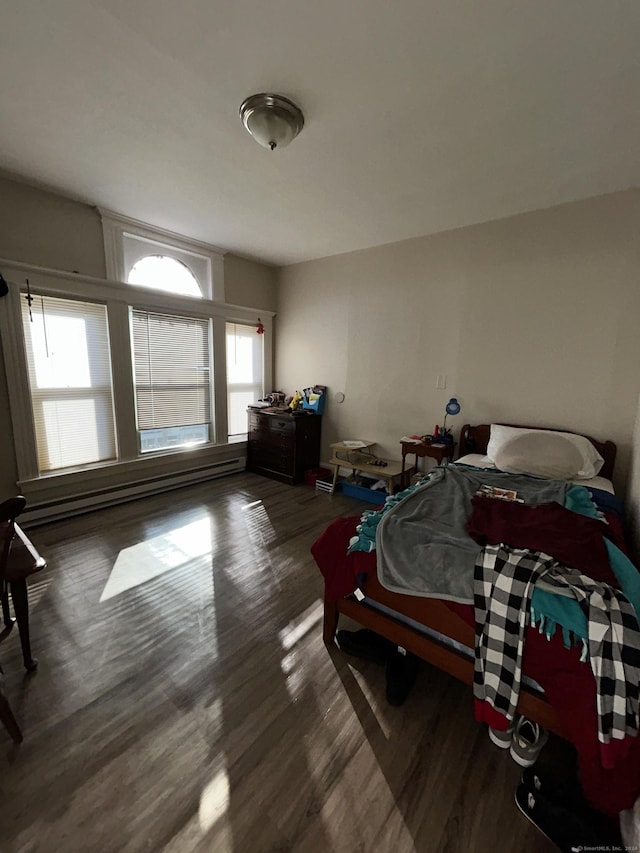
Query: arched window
{"x": 162, "y": 272}
{"x": 129, "y": 243}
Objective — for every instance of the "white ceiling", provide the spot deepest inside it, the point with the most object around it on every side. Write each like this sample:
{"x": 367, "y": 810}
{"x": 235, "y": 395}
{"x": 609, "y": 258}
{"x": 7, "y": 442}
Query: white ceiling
{"x": 421, "y": 115}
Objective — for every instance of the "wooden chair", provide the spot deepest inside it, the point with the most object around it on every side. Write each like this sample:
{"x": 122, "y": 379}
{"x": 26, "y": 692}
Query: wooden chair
{"x": 8, "y": 510}
{"x": 18, "y": 560}
{"x": 6, "y": 714}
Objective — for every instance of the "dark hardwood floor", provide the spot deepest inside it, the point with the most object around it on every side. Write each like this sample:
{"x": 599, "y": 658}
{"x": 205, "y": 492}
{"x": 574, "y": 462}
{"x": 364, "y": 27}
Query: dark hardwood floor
{"x": 185, "y": 700}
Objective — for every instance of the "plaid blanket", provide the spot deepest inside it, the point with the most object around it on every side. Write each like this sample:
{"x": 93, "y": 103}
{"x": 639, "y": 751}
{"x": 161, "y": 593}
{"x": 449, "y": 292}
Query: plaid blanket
{"x": 504, "y": 580}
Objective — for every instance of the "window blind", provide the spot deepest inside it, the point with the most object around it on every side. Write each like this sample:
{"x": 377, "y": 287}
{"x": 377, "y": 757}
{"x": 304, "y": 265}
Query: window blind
{"x": 172, "y": 366}
{"x": 67, "y": 346}
{"x": 245, "y": 373}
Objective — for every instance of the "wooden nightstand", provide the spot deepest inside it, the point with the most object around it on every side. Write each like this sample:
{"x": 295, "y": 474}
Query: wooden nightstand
{"x": 439, "y": 452}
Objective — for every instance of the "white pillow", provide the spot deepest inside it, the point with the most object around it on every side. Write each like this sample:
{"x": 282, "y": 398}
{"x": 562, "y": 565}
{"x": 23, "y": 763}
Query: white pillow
{"x": 544, "y": 453}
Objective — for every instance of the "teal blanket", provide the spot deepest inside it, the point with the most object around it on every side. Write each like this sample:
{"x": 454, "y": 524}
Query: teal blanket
{"x": 549, "y": 610}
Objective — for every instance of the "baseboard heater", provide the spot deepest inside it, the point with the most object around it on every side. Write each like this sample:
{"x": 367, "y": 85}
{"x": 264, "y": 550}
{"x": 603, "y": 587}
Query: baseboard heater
{"x": 40, "y": 513}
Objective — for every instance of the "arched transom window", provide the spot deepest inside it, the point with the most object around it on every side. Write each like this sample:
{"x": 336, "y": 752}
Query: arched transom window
{"x": 162, "y": 272}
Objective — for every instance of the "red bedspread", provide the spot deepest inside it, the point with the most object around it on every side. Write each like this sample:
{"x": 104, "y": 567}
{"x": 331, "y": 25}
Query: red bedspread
{"x": 568, "y": 684}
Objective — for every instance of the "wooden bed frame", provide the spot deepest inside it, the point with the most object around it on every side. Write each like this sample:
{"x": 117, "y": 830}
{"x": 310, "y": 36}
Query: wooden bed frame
{"x": 434, "y": 613}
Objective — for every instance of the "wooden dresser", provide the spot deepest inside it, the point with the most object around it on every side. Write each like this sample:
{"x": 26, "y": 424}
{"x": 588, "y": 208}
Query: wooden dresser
{"x": 283, "y": 446}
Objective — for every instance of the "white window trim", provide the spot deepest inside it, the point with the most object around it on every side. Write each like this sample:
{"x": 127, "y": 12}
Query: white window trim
{"x": 118, "y": 297}
{"x": 232, "y": 387}
{"x": 116, "y": 227}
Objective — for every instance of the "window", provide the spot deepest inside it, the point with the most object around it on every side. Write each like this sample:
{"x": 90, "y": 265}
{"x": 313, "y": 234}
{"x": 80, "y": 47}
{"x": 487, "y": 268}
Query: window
{"x": 128, "y": 242}
{"x": 245, "y": 374}
{"x": 114, "y": 387}
{"x": 172, "y": 380}
{"x": 68, "y": 359}
{"x": 164, "y": 273}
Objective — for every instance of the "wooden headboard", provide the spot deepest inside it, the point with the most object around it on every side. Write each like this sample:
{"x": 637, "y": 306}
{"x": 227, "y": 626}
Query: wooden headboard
{"x": 474, "y": 439}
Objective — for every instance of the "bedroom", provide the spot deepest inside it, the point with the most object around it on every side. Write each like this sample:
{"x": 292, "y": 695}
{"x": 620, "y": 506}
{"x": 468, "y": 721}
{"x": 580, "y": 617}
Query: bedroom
{"x": 530, "y": 316}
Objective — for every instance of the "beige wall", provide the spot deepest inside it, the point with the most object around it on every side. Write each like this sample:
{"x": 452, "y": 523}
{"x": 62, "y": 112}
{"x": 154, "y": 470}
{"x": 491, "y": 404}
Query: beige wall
{"x": 533, "y": 319}
{"x": 249, "y": 283}
{"x": 46, "y": 229}
{"x": 633, "y": 495}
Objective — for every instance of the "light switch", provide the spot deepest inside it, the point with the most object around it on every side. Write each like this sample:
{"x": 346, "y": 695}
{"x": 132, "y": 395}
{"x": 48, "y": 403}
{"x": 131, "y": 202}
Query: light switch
{"x": 441, "y": 381}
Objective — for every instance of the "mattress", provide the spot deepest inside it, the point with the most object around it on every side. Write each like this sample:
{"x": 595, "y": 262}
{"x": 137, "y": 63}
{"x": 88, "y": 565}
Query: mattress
{"x": 480, "y": 461}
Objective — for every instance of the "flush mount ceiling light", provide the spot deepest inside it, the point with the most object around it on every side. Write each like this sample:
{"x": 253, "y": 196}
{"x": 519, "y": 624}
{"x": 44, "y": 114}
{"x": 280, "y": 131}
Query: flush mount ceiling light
{"x": 273, "y": 120}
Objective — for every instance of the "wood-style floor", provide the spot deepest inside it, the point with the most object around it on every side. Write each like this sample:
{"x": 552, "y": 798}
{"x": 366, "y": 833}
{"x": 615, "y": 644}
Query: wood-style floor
{"x": 185, "y": 700}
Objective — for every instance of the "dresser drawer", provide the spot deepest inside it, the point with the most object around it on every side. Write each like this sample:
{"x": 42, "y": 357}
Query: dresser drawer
{"x": 282, "y": 426}
{"x": 283, "y": 446}
{"x": 272, "y": 459}
{"x": 271, "y": 425}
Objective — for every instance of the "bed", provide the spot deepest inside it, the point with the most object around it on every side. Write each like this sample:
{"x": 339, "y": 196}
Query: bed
{"x": 442, "y": 632}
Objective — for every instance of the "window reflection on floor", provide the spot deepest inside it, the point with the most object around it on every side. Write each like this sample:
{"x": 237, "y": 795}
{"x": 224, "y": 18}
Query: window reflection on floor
{"x": 146, "y": 560}
{"x": 297, "y": 628}
{"x": 214, "y": 801}
{"x": 259, "y": 527}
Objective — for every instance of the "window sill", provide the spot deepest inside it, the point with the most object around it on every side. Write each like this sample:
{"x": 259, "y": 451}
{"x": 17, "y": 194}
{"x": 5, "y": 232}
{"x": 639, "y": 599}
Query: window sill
{"x": 238, "y": 439}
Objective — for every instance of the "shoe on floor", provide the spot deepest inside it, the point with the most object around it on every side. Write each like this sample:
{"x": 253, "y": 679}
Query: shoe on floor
{"x": 570, "y": 831}
{"x": 401, "y": 674}
{"x": 501, "y": 739}
{"x": 527, "y": 741}
{"x": 365, "y": 644}
{"x": 563, "y": 789}
{"x": 554, "y": 785}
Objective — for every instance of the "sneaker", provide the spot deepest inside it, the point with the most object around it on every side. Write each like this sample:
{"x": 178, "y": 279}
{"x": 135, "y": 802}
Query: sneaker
{"x": 501, "y": 738}
{"x": 559, "y": 787}
{"x": 570, "y": 831}
{"x": 563, "y": 789}
{"x": 527, "y": 742}
{"x": 365, "y": 644}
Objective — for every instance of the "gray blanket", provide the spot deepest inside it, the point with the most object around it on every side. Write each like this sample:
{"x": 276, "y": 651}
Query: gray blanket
{"x": 421, "y": 543}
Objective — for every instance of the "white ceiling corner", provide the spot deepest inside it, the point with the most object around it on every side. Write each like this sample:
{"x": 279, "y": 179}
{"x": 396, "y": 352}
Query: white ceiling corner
{"x": 420, "y": 115}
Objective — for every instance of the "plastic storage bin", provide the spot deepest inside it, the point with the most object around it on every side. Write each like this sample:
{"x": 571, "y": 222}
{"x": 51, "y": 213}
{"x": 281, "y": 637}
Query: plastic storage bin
{"x": 374, "y": 496}
{"x": 314, "y": 402}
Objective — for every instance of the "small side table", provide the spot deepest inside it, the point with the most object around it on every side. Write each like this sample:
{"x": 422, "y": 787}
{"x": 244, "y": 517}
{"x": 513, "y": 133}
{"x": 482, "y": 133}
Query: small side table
{"x": 358, "y": 460}
{"x": 440, "y": 452}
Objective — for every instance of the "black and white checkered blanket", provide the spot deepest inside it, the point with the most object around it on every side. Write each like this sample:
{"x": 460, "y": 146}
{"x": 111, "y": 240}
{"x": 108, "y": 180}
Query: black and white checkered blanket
{"x": 504, "y": 579}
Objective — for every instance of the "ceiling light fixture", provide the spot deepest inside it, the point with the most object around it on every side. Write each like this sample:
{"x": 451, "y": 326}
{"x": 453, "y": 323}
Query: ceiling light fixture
{"x": 273, "y": 120}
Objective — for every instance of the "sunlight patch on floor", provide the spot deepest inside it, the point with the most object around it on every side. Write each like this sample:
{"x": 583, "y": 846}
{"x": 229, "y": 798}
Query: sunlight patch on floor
{"x": 259, "y": 525}
{"x": 292, "y": 663}
{"x": 214, "y": 800}
{"x": 297, "y": 628}
{"x": 38, "y": 586}
{"x": 140, "y": 563}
